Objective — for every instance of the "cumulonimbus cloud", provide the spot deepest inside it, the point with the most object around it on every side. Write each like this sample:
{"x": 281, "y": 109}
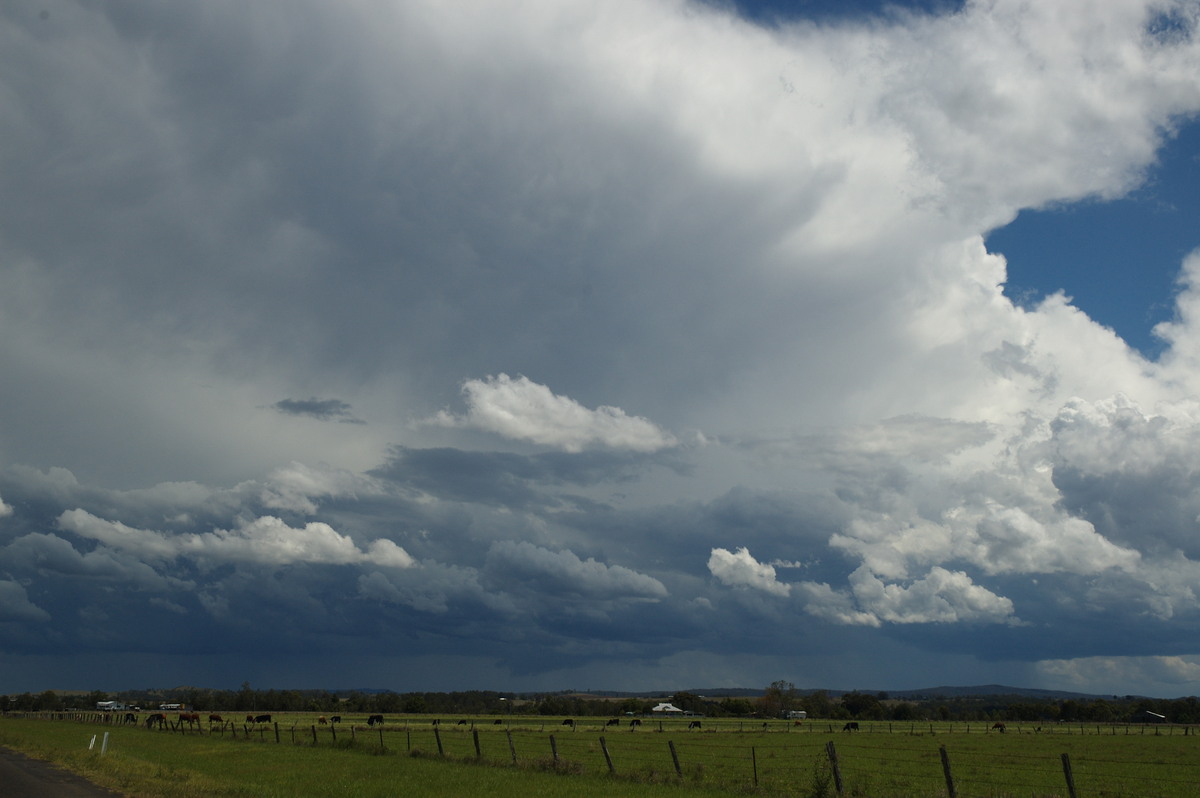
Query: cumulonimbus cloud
{"x": 522, "y": 409}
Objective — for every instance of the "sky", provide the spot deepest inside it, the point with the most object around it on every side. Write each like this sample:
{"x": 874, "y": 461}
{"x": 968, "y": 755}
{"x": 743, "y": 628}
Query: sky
{"x": 637, "y": 345}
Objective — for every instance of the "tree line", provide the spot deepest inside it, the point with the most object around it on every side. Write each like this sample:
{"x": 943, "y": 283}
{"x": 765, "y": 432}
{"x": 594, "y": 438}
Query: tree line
{"x": 776, "y": 701}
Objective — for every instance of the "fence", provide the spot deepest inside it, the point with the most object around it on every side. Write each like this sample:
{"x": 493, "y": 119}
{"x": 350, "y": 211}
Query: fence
{"x": 959, "y": 760}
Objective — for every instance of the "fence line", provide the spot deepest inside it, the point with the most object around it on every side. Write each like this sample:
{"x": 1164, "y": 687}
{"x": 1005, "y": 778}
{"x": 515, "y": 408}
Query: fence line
{"x": 772, "y": 763}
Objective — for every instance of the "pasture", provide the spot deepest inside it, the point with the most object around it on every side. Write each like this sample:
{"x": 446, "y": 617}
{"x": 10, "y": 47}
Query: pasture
{"x": 521, "y": 755}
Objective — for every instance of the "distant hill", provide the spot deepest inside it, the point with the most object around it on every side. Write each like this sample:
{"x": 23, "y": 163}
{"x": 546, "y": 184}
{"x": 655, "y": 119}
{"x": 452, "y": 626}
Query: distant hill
{"x": 924, "y": 693}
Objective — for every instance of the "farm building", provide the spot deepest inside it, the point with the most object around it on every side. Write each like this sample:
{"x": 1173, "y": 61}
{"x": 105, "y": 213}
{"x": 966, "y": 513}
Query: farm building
{"x": 667, "y": 708}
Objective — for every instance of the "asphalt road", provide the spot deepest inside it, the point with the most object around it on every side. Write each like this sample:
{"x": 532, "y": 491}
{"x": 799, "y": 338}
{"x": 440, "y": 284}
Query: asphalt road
{"x": 24, "y": 777}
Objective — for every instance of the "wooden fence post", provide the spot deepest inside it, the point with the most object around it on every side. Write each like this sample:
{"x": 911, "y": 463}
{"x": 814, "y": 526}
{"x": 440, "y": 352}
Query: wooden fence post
{"x": 554, "y": 750}
{"x": 511, "y": 748}
{"x": 437, "y": 735}
{"x": 837, "y": 771}
{"x": 314, "y": 731}
{"x": 276, "y": 731}
{"x": 1066, "y": 762}
{"x": 953, "y": 793}
{"x": 475, "y": 734}
{"x": 675, "y": 758}
{"x": 382, "y": 747}
{"x": 754, "y": 765}
{"x": 607, "y": 758}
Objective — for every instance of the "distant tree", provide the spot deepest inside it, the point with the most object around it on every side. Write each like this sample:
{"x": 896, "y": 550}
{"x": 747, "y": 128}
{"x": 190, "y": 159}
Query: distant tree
{"x": 818, "y": 705}
{"x": 862, "y": 705}
{"x": 47, "y": 701}
{"x": 737, "y": 707}
{"x": 688, "y": 702}
{"x": 778, "y": 698}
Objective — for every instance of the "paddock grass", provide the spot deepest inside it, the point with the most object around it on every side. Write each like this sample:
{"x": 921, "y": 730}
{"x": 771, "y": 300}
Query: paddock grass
{"x": 410, "y": 754}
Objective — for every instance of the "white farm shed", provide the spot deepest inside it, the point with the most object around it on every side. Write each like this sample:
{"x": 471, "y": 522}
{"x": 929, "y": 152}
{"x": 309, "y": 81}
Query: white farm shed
{"x": 667, "y": 708}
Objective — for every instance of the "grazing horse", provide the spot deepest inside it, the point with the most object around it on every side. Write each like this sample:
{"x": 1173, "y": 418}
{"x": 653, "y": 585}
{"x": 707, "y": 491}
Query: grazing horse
{"x": 262, "y": 718}
{"x": 851, "y": 726}
{"x": 192, "y": 719}
{"x": 130, "y": 718}
{"x": 695, "y": 724}
{"x": 214, "y": 718}
{"x": 375, "y": 720}
{"x": 998, "y": 726}
{"x": 323, "y": 721}
{"x": 158, "y": 718}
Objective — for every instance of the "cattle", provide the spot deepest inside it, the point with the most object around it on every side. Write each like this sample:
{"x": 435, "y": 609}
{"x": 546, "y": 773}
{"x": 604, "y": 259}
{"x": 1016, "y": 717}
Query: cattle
{"x": 262, "y": 718}
{"x": 249, "y": 718}
{"x": 322, "y": 720}
{"x": 614, "y": 722}
{"x": 998, "y": 726}
{"x": 130, "y": 718}
{"x": 851, "y": 726}
{"x": 569, "y": 722}
{"x": 190, "y": 718}
{"x": 437, "y": 721}
{"x": 335, "y": 719}
{"x": 375, "y": 720}
{"x": 462, "y": 722}
{"x": 157, "y": 718}
{"x": 497, "y": 722}
{"x": 695, "y": 724}
{"x": 214, "y": 718}
{"x": 633, "y": 724}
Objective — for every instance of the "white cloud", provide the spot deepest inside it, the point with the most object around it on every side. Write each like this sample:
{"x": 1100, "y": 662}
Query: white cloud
{"x": 266, "y": 540}
{"x": 524, "y": 410}
{"x": 941, "y": 596}
{"x": 740, "y": 569}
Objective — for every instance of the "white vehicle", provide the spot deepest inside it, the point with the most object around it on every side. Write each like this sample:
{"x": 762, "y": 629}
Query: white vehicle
{"x": 796, "y": 714}
{"x": 111, "y": 706}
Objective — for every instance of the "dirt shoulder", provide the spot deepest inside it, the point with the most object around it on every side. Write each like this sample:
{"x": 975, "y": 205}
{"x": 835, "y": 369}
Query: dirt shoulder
{"x": 26, "y": 777}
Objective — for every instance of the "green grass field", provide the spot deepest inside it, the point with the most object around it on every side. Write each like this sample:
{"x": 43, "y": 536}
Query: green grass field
{"x": 726, "y": 757}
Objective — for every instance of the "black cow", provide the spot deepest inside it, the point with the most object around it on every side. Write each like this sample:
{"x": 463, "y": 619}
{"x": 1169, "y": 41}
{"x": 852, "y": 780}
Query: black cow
{"x": 130, "y": 718}
{"x": 375, "y": 720}
{"x": 497, "y": 722}
{"x": 262, "y": 718}
{"x": 633, "y": 724}
{"x": 614, "y": 722}
{"x": 851, "y": 726}
{"x": 569, "y": 722}
{"x": 694, "y": 724}
{"x": 462, "y": 722}
{"x": 335, "y": 719}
